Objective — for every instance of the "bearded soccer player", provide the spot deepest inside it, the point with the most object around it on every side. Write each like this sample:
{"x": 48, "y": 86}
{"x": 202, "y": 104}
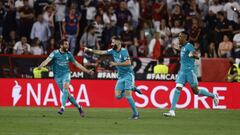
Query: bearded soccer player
{"x": 187, "y": 74}
{"x": 125, "y": 83}
{"x": 60, "y": 65}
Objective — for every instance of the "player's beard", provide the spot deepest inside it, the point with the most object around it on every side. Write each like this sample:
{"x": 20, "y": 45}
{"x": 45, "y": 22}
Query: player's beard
{"x": 114, "y": 47}
{"x": 65, "y": 49}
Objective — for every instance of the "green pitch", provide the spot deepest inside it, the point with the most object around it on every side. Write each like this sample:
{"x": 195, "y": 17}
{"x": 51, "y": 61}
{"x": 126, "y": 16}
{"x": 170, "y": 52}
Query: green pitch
{"x": 46, "y": 121}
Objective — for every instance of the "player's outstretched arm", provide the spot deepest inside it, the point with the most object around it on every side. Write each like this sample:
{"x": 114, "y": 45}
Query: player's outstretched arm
{"x": 194, "y": 54}
{"x": 81, "y": 67}
{"x": 98, "y": 52}
{"x": 125, "y": 63}
{"x": 44, "y": 63}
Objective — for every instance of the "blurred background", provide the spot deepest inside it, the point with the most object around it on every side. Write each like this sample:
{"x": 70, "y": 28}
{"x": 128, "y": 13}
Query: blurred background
{"x": 31, "y": 29}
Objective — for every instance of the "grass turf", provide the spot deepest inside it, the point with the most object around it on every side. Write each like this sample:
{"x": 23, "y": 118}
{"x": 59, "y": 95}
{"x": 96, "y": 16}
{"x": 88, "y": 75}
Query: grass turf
{"x": 46, "y": 121}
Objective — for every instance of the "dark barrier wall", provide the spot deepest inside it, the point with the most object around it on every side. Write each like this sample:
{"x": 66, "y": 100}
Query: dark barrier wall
{"x": 21, "y": 66}
{"x": 215, "y": 69}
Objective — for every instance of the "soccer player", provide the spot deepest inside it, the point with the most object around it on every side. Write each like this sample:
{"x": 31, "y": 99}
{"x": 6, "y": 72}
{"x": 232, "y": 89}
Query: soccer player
{"x": 186, "y": 73}
{"x": 125, "y": 83}
{"x": 60, "y": 65}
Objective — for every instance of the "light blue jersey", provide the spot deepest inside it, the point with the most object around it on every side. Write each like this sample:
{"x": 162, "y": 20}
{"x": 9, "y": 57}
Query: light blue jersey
{"x": 126, "y": 77}
{"x": 186, "y": 62}
{"x": 120, "y": 57}
{"x": 60, "y": 62}
{"x": 186, "y": 72}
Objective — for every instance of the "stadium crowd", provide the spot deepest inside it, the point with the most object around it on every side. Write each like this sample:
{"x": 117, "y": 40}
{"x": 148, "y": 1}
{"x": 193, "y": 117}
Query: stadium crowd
{"x": 147, "y": 28}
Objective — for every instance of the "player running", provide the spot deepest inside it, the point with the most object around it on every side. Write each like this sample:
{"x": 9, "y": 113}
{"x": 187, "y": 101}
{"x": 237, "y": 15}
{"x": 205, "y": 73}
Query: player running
{"x": 186, "y": 74}
{"x": 125, "y": 83}
{"x": 60, "y": 65}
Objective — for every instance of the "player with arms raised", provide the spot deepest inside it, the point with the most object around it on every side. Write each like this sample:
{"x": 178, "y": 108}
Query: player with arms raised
{"x": 125, "y": 83}
{"x": 186, "y": 73}
{"x": 60, "y": 65}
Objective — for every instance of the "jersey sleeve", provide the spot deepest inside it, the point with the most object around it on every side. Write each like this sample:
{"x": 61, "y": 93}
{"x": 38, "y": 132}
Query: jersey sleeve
{"x": 71, "y": 58}
{"x": 190, "y": 48}
{"x": 51, "y": 55}
{"x": 110, "y": 51}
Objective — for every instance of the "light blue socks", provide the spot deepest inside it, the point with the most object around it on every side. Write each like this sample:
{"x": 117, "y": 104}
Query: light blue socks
{"x": 64, "y": 97}
{"x": 175, "y": 99}
{"x": 132, "y": 104}
{"x": 73, "y": 101}
{"x": 205, "y": 93}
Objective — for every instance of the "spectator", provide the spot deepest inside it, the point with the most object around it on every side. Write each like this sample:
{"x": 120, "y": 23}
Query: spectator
{"x": 134, "y": 8}
{"x": 59, "y": 17}
{"x": 88, "y": 39}
{"x": 223, "y": 27}
{"x": 22, "y": 47}
{"x": 31, "y": 3}
{"x": 216, "y": 7}
{"x": 204, "y": 7}
{"x": 233, "y": 72}
{"x": 193, "y": 12}
{"x": 41, "y": 31}
{"x": 110, "y": 20}
{"x": 165, "y": 32}
{"x": 195, "y": 31}
{"x": 232, "y": 8}
{"x": 100, "y": 10}
{"x": 48, "y": 17}
{"x": 123, "y": 16}
{"x": 71, "y": 28}
{"x": 155, "y": 47}
{"x": 225, "y": 47}
{"x": 172, "y": 49}
{"x": 176, "y": 15}
{"x": 77, "y": 4}
{"x": 142, "y": 45}
{"x": 185, "y": 6}
{"x": 157, "y": 9}
{"x": 40, "y": 5}
{"x": 11, "y": 41}
{"x": 51, "y": 45}
{"x": 2, "y": 16}
{"x": 236, "y": 26}
{"x": 148, "y": 30}
{"x": 36, "y": 48}
{"x": 212, "y": 52}
{"x": 197, "y": 64}
{"x": 2, "y": 44}
{"x": 9, "y": 21}
{"x": 176, "y": 29}
{"x": 209, "y": 30}
{"x": 145, "y": 10}
{"x": 91, "y": 11}
{"x": 160, "y": 68}
{"x": 18, "y": 5}
{"x": 26, "y": 19}
{"x": 98, "y": 27}
{"x": 236, "y": 45}
{"x": 129, "y": 40}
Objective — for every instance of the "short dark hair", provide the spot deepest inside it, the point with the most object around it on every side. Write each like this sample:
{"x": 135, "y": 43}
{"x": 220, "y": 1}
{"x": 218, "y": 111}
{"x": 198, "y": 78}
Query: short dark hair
{"x": 116, "y": 38}
{"x": 61, "y": 42}
{"x": 185, "y": 33}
